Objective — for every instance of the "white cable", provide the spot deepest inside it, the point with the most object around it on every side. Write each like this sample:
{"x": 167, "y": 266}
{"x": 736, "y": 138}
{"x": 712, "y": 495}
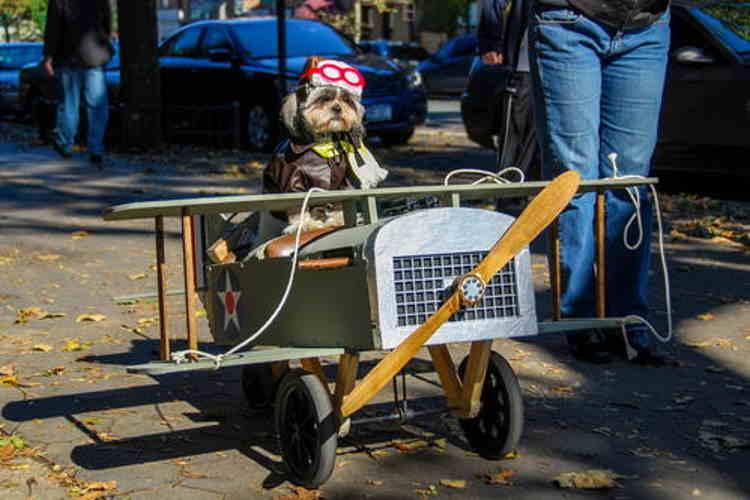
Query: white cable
{"x": 182, "y": 356}
{"x": 636, "y": 199}
{"x": 486, "y": 175}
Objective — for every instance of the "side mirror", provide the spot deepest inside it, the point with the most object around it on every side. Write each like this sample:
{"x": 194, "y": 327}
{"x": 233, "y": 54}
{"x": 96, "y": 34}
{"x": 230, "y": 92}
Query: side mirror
{"x": 692, "y": 55}
{"x": 220, "y": 55}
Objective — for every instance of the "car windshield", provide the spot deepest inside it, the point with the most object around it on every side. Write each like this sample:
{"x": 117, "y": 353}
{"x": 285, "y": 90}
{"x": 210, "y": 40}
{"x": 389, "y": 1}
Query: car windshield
{"x": 730, "y": 21}
{"x": 409, "y": 52}
{"x": 303, "y": 39}
{"x": 17, "y": 57}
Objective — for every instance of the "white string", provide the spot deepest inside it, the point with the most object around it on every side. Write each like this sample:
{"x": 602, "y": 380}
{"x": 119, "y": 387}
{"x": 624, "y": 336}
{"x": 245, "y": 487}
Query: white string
{"x": 486, "y": 175}
{"x": 665, "y": 273}
{"x": 182, "y": 356}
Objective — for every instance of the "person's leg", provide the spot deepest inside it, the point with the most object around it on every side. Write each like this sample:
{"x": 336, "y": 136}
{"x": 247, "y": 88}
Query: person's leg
{"x": 565, "y": 55}
{"x": 632, "y": 86}
{"x": 67, "y": 109}
{"x": 97, "y": 109}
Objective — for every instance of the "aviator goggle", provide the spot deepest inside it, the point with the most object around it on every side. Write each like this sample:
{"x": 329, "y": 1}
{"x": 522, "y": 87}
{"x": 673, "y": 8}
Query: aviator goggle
{"x": 334, "y": 73}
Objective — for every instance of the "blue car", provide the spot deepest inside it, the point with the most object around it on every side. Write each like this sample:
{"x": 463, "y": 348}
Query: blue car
{"x": 13, "y": 57}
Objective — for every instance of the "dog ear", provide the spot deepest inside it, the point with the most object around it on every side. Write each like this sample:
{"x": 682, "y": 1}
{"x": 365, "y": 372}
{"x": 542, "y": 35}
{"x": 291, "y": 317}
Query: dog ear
{"x": 289, "y": 114}
{"x": 358, "y": 129}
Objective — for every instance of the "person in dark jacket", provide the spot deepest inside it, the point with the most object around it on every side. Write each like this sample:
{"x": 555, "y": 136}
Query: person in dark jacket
{"x": 76, "y": 46}
{"x": 503, "y": 39}
{"x": 599, "y": 68}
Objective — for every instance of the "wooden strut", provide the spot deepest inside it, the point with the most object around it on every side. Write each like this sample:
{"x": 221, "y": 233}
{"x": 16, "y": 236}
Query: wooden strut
{"x": 188, "y": 259}
{"x": 161, "y": 285}
{"x": 601, "y": 275}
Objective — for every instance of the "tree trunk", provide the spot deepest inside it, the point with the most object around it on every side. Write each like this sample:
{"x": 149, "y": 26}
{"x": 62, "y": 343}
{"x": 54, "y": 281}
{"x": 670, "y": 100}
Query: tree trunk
{"x": 140, "y": 87}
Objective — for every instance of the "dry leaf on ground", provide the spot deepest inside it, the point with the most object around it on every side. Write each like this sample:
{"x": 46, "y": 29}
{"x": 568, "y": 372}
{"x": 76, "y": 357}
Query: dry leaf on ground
{"x": 589, "y": 479}
{"x": 498, "y": 478}
{"x": 453, "y": 483}
{"x": 90, "y": 317}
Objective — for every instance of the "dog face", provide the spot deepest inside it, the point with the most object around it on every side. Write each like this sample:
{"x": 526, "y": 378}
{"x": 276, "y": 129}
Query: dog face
{"x": 315, "y": 114}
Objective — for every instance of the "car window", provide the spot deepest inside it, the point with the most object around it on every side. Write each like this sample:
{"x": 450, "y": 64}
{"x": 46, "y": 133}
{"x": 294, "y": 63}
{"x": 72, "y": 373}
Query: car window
{"x": 730, "y": 22}
{"x": 215, "y": 38}
{"x": 466, "y": 46}
{"x": 185, "y": 44}
{"x": 17, "y": 57}
{"x": 304, "y": 39}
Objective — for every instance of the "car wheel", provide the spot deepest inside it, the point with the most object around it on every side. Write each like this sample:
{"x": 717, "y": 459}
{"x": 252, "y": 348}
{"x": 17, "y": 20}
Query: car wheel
{"x": 397, "y": 137}
{"x": 261, "y": 127}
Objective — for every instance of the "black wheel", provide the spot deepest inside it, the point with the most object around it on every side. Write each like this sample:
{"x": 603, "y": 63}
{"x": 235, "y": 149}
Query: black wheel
{"x": 261, "y": 125}
{"x": 307, "y": 430}
{"x": 259, "y": 386}
{"x": 496, "y": 430}
{"x": 397, "y": 137}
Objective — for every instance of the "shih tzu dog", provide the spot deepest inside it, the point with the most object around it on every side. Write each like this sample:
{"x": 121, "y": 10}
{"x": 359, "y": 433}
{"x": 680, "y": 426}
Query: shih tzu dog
{"x": 323, "y": 117}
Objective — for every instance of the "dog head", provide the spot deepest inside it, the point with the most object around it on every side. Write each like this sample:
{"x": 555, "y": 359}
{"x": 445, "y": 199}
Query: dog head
{"x": 326, "y": 103}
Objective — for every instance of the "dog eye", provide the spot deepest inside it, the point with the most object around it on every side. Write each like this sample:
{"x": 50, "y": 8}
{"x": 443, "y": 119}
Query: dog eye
{"x": 325, "y": 98}
{"x": 348, "y": 100}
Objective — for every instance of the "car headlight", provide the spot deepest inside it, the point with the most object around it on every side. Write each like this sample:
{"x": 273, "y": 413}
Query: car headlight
{"x": 414, "y": 78}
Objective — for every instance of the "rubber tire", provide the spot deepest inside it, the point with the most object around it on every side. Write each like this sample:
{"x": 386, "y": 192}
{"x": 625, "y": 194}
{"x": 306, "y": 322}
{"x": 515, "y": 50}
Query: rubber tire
{"x": 497, "y": 429}
{"x": 302, "y": 399}
{"x": 397, "y": 138}
{"x": 259, "y": 386}
{"x": 260, "y": 127}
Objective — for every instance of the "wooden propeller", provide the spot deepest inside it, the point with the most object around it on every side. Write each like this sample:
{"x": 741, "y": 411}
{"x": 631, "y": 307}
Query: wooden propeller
{"x": 540, "y": 213}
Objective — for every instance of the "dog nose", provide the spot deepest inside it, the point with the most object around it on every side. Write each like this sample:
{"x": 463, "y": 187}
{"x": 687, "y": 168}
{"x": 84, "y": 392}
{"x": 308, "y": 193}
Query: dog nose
{"x": 336, "y": 108}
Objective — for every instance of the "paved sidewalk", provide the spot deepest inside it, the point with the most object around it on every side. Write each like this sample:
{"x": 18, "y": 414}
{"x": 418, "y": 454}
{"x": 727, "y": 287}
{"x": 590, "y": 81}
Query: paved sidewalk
{"x": 672, "y": 433}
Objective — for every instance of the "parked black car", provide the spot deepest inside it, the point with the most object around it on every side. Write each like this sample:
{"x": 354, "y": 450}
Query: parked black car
{"x": 208, "y": 66}
{"x": 13, "y": 57}
{"x": 446, "y": 71}
{"x": 406, "y": 53}
{"x": 707, "y": 92}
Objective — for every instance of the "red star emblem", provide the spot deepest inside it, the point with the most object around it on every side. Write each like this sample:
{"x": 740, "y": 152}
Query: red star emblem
{"x": 230, "y": 298}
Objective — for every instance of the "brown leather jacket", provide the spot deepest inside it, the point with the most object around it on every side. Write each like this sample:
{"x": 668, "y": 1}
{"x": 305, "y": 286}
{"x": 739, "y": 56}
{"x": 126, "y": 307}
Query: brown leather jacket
{"x": 296, "y": 168}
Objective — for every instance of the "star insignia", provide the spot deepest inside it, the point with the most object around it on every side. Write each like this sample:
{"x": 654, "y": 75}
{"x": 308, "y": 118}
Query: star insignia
{"x": 230, "y": 298}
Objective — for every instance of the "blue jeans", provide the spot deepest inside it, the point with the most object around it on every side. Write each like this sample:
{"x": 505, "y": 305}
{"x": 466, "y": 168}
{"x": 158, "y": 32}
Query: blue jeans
{"x": 598, "y": 91}
{"x": 90, "y": 83}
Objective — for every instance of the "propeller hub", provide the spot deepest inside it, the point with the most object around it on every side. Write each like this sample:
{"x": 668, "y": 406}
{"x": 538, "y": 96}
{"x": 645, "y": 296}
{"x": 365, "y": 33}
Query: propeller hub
{"x": 471, "y": 288}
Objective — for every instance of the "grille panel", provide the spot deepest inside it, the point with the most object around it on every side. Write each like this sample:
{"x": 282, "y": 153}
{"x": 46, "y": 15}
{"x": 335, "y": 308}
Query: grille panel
{"x": 423, "y": 282}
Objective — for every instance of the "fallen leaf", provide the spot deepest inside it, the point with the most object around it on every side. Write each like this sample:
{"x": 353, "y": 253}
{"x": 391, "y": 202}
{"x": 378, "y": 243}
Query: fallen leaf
{"x": 50, "y": 257}
{"x": 192, "y": 475}
{"x": 706, "y": 317}
{"x": 498, "y": 478}
{"x": 7, "y": 371}
{"x": 374, "y": 482}
{"x": 90, "y": 317}
{"x": 42, "y": 347}
{"x": 431, "y": 490}
{"x": 590, "y": 479}
{"x": 75, "y": 345}
{"x": 511, "y": 455}
{"x": 453, "y": 483}
{"x": 77, "y": 235}
{"x": 137, "y": 276}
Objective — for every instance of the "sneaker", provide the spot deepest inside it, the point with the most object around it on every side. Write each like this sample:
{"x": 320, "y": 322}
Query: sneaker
{"x": 96, "y": 159}
{"x": 61, "y": 150}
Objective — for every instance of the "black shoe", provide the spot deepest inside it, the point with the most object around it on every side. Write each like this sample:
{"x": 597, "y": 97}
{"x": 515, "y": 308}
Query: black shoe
{"x": 61, "y": 150}
{"x": 96, "y": 159}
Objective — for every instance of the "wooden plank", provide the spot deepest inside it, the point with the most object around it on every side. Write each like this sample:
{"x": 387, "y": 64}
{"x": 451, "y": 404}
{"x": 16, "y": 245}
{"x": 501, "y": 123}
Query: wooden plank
{"x": 555, "y": 273}
{"x": 473, "y": 382}
{"x": 452, "y": 387}
{"x": 188, "y": 259}
{"x": 346, "y": 377}
{"x": 600, "y": 239}
{"x": 161, "y": 287}
{"x": 278, "y": 356}
{"x": 284, "y": 201}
